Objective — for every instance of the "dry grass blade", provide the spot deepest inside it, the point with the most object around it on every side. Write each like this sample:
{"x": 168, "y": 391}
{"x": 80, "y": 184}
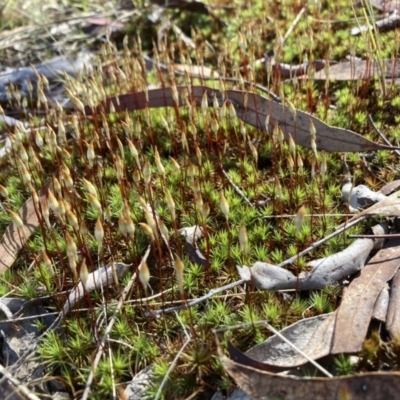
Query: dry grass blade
{"x": 357, "y": 307}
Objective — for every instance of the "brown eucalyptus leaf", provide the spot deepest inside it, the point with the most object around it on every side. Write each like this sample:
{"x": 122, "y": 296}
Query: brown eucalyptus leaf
{"x": 297, "y": 126}
{"x": 358, "y": 301}
{"x": 253, "y": 110}
{"x": 311, "y": 335}
{"x": 264, "y": 385}
{"x": 288, "y": 71}
{"x": 243, "y": 358}
{"x": 14, "y": 239}
{"x": 393, "y": 315}
{"x": 390, "y": 187}
{"x": 359, "y": 69}
{"x": 385, "y": 5}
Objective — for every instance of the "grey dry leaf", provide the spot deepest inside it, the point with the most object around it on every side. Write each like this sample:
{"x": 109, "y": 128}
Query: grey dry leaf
{"x": 358, "y": 301}
{"x": 103, "y": 277}
{"x": 358, "y": 69}
{"x": 359, "y": 196}
{"x": 389, "y": 206}
{"x": 311, "y": 335}
{"x": 326, "y": 271}
{"x": 192, "y": 234}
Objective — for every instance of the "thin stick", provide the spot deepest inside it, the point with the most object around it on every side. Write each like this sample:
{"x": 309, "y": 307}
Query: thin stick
{"x": 175, "y": 360}
{"x": 104, "y": 339}
{"x": 294, "y": 23}
{"x": 22, "y": 388}
{"x": 199, "y": 300}
{"x": 239, "y": 192}
{"x": 388, "y": 236}
{"x": 381, "y": 134}
{"x": 322, "y": 241}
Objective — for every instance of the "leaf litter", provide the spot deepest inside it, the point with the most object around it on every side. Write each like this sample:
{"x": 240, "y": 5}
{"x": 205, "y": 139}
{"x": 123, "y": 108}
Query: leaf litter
{"x": 251, "y": 108}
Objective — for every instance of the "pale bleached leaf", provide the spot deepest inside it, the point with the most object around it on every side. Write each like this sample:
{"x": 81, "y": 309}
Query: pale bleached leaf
{"x": 311, "y": 335}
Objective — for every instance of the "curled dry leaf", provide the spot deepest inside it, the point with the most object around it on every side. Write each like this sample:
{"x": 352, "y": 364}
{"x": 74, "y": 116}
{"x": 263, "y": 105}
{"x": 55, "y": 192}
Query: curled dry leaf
{"x": 311, "y": 335}
{"x": 360, "y": 196}
{"x": 358, "y": 301}
{"x": 14, "y": 239}
{"x": 393, "y": 315}
{"x": 263, "y": 385}
{"x": 252, "y": 109}
{"x": 103, "y": 277}
{"x": 381, "y": 305}
{"x": 326, "y": 271}
{"x": 389, "y": 206}
{"x": 192, "y": 234}
{"x": 359, "y": 69}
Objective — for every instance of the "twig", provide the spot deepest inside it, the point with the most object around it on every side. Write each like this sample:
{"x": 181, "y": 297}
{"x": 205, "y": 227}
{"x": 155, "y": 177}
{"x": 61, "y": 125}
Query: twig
{"x": 175, "y": 360}
{"x": 388, "y": 236}
{"x": 22, "y": 388}
{"x": 239, "y": 192}
{"x": 199, "y": 300}
{"x": 322, "y": 241}
{"x": 295, "y": 22}
{"x": 306, "y": 215}
{"x": 102, "y": 344}
{"x": 381, "y": 134}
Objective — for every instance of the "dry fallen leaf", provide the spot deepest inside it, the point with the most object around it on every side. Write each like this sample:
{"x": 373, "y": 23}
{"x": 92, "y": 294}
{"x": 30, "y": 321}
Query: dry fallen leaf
{"x": 382, "y": 305}
{"x": 252, "y": 109}
{"x": 358, "y": 301}
{"x": 311, "y": 335}
{"x": 13, "y": 239}
{"x": 358, "y": 69}
{"x": 298, "y": 126}
{"x": 326, "y": 271}
{"x": 393, "y": 315}
{"x": 359, "y": 196}
{"x": 389, "y": 206}
{"x": 263, "y": 385}
{"x": 390, "y": 187}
